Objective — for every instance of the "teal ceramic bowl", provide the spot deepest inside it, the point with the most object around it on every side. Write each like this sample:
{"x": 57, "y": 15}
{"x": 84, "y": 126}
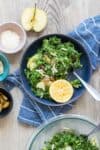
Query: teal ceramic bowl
{"x": 6, "y": 66}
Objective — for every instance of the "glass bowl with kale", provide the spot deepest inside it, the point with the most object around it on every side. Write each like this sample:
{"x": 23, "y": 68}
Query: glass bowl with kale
{"x": 51, "y": 58}
{"x": 66, "y": 132}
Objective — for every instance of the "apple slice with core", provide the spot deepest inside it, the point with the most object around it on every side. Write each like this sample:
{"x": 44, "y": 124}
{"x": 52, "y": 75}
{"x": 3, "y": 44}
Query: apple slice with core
{"x": 35, "y": 22}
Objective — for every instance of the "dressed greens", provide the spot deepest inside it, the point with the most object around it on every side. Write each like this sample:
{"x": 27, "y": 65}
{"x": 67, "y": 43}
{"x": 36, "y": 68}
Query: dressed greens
{"x": 69, "y": 141}
{"x": 54, "y": 60}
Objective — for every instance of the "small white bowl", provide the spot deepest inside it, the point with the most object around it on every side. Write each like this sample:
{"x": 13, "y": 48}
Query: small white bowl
{"x": 15, "y": 27}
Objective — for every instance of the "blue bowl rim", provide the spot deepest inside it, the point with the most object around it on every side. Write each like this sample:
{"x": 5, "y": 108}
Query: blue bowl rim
{"x": 8, "y": 65}
{"x": 35, "y": 98}
{"x": 54, "y": 119}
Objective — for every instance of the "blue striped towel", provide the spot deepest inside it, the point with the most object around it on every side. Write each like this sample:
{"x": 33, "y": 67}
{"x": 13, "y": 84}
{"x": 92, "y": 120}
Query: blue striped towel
{"x": 33, "y": 113}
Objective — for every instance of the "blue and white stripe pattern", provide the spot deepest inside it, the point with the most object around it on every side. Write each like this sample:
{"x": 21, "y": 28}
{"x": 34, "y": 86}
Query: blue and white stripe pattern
{"x": 33, "y": 113}
{"x": 88, "y": 34}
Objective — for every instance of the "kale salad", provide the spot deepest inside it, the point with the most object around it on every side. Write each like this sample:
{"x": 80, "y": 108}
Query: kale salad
{"x": 70, "y": 141}
{"x": 54, "y": 60}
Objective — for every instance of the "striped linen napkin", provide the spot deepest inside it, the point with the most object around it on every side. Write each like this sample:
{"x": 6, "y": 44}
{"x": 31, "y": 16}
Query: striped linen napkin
{"x": 33, "y": 113}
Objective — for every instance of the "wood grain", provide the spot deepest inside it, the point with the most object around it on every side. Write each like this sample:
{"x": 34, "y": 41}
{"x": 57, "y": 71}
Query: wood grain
{"x": 63, "y": 16}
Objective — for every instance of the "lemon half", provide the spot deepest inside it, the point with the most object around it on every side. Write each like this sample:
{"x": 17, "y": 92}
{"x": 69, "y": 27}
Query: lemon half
{"x": 61, "y": 91}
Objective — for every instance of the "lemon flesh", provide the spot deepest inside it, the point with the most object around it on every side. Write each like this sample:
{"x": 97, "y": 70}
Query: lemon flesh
{"x": 61, "y": 91}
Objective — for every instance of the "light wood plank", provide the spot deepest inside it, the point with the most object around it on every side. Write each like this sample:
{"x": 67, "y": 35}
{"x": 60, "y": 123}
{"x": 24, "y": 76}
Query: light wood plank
{"x": 63, "y": 16}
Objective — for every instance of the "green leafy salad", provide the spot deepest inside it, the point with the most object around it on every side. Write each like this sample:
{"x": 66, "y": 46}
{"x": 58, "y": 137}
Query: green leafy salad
{"x": 69, "y": 141}
{"x": 54, "y": 60}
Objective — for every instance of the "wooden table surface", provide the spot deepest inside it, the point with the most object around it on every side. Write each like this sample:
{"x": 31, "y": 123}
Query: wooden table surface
{"x": 63, "y": 16}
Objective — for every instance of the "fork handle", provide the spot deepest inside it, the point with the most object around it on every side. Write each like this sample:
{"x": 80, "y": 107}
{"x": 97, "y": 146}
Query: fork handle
{"x": 90, "y": 89}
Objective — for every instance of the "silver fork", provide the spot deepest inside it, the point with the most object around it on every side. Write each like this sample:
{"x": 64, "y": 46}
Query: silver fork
{"x": 90, "y": 89}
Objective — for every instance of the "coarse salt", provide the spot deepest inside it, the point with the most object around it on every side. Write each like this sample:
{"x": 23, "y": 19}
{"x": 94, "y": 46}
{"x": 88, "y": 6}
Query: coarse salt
{"x": 9, "y": 40}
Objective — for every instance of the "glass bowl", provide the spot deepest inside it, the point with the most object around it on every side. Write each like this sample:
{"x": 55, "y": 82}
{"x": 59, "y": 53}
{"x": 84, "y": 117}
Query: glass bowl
{"x": 46, "y": 132}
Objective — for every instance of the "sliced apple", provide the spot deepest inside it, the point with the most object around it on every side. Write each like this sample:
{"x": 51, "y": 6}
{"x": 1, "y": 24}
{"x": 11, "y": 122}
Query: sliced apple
{"x": 35, "y": 22}
{"x": 40, "y": 20}
{"x": 27, "y": 18}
